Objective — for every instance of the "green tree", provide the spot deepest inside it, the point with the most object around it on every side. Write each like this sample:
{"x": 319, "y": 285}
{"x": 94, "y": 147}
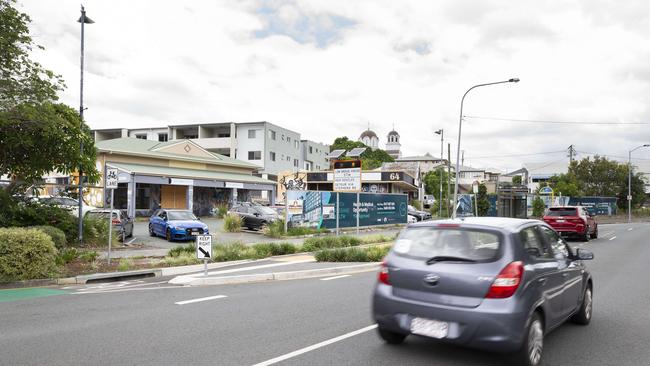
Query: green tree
{"x": 538, "y": 207}
{"x": 370, "y": 159}
{"x": 483, "y": 204}
{"x": 37, "y": 135}
{"x": 22, "y": 80}
{"x": 566, "y": 184}
{"x": 516, "y": 180}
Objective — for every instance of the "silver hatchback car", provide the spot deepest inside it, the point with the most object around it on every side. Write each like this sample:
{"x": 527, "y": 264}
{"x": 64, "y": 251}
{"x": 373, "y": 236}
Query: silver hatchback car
{"x": 496, "y": 284}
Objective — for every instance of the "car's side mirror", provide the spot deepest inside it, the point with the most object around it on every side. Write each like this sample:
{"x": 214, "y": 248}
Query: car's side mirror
{"x": 584, "y": 255}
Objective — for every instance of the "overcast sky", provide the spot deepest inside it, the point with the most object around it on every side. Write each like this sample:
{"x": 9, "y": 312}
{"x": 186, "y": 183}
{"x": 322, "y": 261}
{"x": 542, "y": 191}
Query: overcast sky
{"x": 328, "y": 68}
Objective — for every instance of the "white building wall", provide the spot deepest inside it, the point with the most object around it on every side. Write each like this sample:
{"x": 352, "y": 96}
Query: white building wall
{"x": 246, "y": 144}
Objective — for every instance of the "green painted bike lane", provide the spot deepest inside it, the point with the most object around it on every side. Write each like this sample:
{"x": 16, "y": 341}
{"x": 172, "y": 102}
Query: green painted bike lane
{"x": 28, "y": 293}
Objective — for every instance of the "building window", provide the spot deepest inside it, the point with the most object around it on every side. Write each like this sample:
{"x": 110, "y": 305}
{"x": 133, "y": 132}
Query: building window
{"x": 295, "y": 162}
{"x": 288, "y": 158}
{"x": 317, "y": 167}
{"x": 254, "y": 155}
{"x": 311, "y": 150}
{"x": 251, "y": 134}
{"x": 191, "y": 137}
{"x": 141, "y": 136}
{"x": 272, "y": 156}
{"x": 162, "y": 137}
{"x": 272, "y": 134}
{"x": 296, "y": 145}
{"x": 308, "y": 165}
{"x": 282, "y": 137}
{"x": 288, "y": 139}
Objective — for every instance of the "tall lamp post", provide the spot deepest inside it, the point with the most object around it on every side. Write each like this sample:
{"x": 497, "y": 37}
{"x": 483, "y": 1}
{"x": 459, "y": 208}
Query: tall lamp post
{"x": 83, "y": 20}
{"x": 440, "y": 132}
{"x": 629, "y": 182}
{"x": 460, "y": 125}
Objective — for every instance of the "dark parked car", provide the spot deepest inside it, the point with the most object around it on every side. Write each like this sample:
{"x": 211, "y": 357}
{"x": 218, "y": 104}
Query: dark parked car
{"x": 572, "y": 221}
{"x": 255, "y": 216}
{"x": 419, "y": 214}
{"x": 176, "y": 225}
{"x": 497, "y": 284}
{"x": 123, "y": 223}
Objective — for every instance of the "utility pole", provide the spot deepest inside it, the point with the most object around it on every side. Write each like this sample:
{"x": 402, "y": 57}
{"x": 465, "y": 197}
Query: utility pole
{"x": 448, "y": 177}
{"x": 441, "y": 132}
{"x": 462, "y": 159}
{"x": 572, "y": 153}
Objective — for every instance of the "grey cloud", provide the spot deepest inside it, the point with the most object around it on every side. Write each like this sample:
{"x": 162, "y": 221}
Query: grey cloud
{"x": 420, "y": 46}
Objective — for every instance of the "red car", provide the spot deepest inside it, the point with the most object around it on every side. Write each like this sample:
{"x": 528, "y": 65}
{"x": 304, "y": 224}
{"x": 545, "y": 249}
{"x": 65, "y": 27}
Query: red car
{"x": 572, "y": 221}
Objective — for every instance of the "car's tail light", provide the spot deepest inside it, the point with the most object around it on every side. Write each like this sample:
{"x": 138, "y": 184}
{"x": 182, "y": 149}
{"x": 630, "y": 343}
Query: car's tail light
{"x": 506, "y": 282}
{"x": 116, "y": 222}
{"x": 383, "y": 274}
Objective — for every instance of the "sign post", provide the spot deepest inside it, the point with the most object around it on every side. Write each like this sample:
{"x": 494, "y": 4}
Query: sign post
{"x": 475, "y": 190}
{"x": 204, "y": 250}
{"x": 347, "y": 178}
{"x": 111, "y": 183}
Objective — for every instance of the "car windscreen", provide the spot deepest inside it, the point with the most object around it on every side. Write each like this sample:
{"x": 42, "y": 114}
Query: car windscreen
{"x": 180, "y": 215}
{"x": 266, "y": 210}
{"x": 562, "y": 212}
{"x": 428, "y": 242}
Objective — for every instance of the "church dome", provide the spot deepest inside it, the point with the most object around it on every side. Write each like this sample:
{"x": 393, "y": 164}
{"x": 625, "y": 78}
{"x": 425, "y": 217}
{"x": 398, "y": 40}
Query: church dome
{"x": 368, "y": 133}
{"x": 393, "y": 133}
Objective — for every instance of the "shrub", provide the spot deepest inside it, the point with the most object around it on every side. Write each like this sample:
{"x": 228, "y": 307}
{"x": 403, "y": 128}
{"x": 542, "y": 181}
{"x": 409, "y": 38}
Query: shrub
{"x": 275, "y": 229}
{"x": 57, "y": 235}
{"x": 269, "y": 249}
{"x": 232, "y": 252}
{"x": 26, "y": 254}
{"x": 378, "y": 238}
{"x": 232, "y": 223}
{"x": 125, "y": 264}
{"x": 416, "y": 204}
{"x": 67, "y": 255}
{"x": 89, "y": 256}
{"x": 222, "y": 211}
{"x": 372, "y": 254}
{"x": 182, "y": 259}
{"x": 181, "y": 250}
{"x": 297, "y": 231}
{"x": 538, "y": 207}
{"x": 326, "y": 242}
{"x": 17, "y": 213}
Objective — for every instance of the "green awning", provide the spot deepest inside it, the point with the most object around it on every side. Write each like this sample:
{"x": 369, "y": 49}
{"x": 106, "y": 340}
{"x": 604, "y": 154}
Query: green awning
{"x": 155, "y": 170}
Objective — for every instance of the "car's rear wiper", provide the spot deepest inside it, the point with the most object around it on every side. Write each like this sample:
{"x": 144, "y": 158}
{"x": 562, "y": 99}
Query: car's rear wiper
{"x": 446, "y": 258}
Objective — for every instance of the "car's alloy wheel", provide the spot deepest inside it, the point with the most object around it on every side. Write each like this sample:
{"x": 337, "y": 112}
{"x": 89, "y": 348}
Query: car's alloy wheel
{"x": 168, "y": 235}
{"x": 151, "y": 232}
{"x": 535, "y": 341}
{"x": 583, "y": 316}
{"x": 595, "y": 234}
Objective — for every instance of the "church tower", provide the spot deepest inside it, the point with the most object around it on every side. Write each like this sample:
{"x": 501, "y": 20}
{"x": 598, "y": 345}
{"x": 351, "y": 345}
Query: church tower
{"x": 393, "y": 147}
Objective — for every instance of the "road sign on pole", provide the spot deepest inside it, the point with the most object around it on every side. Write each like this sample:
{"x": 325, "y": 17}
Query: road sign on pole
{"x": 347, "y": 176}
{"x": 204, "y": 250}
{"x": 111, "y": 181}
{"x": 111, "y": 178}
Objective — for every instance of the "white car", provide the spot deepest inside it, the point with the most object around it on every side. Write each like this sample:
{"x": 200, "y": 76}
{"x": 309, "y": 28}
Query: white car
{"x": 411, "y": 219}
{"x": 67, "y": 203}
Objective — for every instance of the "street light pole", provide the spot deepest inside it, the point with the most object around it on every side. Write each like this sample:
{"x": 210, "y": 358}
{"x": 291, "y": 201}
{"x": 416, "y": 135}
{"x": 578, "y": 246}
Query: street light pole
{"x": 460, "y": 125}
{"x": 83, "y": 20}
{"x": 629, "y": 182}
{"x": 440, "y": 132}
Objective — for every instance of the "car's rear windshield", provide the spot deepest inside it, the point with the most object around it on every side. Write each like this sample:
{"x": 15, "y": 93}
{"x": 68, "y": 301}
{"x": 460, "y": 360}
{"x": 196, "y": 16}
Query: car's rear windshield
{"x": 558, "y": 211}
{"x": 427, "y": 242}
{"x": 180, "y": 215}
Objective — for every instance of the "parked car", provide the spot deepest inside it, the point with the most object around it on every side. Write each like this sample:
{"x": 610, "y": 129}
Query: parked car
{"x": 176, "y": 225}
{"x": 497, "y": 284}
{"x": 572, "y": 221}
{"x": 419, "y": 215}
{"x": 255, "y": 216}
{"x": 411, "y": 219}
{"x": 428, "y": 200}
{"x": 123, "y": 223}
{"x": 67, "y": 203}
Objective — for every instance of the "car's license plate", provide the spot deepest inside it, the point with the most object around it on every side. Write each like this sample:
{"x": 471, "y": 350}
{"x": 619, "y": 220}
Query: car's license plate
{"x": 560, "y": 220}
{"x": 429, "y": 328}
{"x": 195, "y": 233}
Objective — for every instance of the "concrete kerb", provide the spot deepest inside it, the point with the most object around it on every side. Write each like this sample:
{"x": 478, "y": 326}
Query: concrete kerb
{"x": 276, "y": 276}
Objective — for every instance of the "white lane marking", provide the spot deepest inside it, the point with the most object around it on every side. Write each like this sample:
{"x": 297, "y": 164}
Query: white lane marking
{"x": 124, "y": 290}
{"x": 315, "y": 346}
{"x": 630, "y": 228}
{"x": 608, "y": 233}
{"x": 251, "y": 268}
{"x": 612, "y": 238}
{"x": 132, "y": 240}
{"x": 334, "y": 278}
{"x": 200, "y": 299}
{"x": 118, "y": 287}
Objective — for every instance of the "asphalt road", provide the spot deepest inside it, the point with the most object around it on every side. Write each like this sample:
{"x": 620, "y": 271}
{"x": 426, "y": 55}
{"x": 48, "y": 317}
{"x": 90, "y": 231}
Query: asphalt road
{"x": 153, "y": 323}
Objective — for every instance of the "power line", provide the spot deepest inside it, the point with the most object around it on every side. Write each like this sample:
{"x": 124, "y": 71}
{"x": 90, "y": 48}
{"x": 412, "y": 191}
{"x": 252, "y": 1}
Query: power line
{"x": 611, "y": 156}
{"x": 559, "y": 122}
{"x": 516, "y": 155}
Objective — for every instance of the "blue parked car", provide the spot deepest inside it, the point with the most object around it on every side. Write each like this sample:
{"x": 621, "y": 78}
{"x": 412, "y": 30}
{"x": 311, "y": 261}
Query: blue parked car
{"x": 176, "y": 225}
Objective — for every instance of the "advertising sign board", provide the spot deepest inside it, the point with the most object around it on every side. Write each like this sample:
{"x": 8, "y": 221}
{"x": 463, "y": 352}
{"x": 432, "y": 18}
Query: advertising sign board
{"x": 347, "y": 176}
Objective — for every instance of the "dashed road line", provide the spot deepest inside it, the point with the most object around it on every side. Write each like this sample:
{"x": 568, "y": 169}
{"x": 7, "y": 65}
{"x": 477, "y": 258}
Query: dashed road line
{"x": 630, "y": 228}
{"x": 612, "y": 238}
{"x": 315, "y": 346}
{"x": 334, "y": 278}
{"x": 132, "y": 240}
{"x": 200, "y": 299}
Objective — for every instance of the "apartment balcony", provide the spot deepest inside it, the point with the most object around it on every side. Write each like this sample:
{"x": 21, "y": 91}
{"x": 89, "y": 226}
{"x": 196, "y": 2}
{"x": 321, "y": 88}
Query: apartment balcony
{"x": 214, "y": 142}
